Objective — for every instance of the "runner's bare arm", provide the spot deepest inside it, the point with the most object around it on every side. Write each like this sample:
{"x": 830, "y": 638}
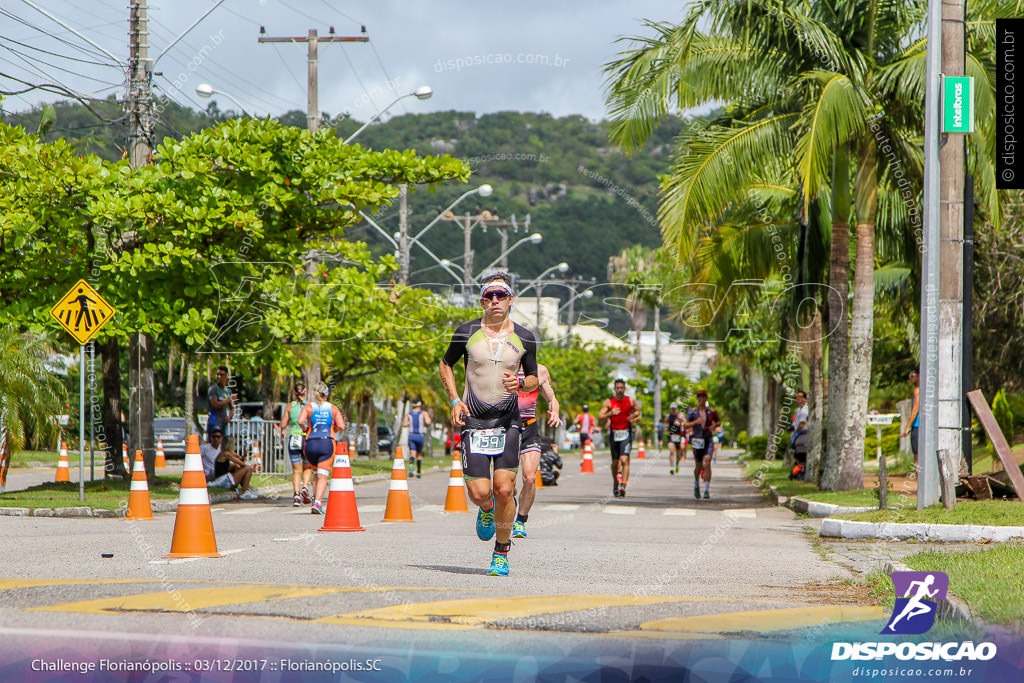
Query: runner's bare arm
{"x": 304, "y": 418}
{"x": 459, "y": 408}
{"x": 605, "y": 411}
{"x": 554, "y": 415}
{"x": 339, "y": 419}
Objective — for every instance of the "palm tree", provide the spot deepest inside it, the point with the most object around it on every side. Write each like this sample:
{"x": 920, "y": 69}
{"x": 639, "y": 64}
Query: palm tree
{"x": 809, "y": 87}
{"x": 30, "y": 395}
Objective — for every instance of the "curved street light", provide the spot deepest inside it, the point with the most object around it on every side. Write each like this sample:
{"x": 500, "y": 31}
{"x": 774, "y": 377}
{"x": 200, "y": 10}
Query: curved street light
{"x": 535, "y": 238}
{"x": 207, "y": 90}
{"x": 424, "y": 92}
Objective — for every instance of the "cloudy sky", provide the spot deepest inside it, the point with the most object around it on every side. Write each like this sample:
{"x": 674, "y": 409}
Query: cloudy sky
{"x": 477, "y": 56}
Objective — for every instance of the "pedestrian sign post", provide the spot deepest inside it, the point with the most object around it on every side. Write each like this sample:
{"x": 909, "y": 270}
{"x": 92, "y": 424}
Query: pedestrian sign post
{"x": 82, "y": 312}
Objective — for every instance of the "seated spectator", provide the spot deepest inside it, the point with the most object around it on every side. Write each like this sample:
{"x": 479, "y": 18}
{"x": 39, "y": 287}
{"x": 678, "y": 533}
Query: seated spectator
{"x": 224, "y": 468}
{"x": 550, "y": 462}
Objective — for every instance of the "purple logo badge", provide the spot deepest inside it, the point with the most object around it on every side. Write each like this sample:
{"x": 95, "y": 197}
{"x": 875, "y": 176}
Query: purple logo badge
{"x": 917, "y": 594}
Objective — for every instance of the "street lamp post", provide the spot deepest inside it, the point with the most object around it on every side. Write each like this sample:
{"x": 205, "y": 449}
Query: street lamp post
{"x": 207, "y": 90}
{"x": 405, "y": 243}
{"x": 585, "y": 294}
{"x": 424, "y": 92}
{"x": 537, "y": 283}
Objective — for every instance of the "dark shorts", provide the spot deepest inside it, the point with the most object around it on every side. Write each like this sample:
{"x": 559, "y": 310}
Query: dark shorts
{"x": 619, "y": 448}
{"x": 913, "y": 440}
{"x": 676, "y": 440}
{"x": 584, "y": 438}
{"x": 530, "y": 440}
{"x": 699, "y": 454}
{"x": 318, "y": 450}
{"x": 295, "y": 454}
{"x": 416, "y": 443}
{"x": 478, "y": 465}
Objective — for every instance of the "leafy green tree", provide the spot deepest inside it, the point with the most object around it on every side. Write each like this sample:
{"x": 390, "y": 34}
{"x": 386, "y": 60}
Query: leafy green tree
{"x": 30, "y": 394}
{"x": 805, "y": 83}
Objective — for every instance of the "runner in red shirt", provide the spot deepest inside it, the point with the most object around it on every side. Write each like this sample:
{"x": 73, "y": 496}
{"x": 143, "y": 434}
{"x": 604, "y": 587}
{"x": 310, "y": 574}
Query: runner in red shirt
{"x": 587, "y": 424}
{"x": 621, "y": 412}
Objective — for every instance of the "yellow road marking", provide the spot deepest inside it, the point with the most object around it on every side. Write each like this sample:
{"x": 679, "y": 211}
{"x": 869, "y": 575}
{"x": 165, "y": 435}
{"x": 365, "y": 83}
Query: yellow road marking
{"x": 763, "y": 620}
{"x": 7, "y": 584}
{"x": 200, "y": 598}
{"x": 473, "y": 613}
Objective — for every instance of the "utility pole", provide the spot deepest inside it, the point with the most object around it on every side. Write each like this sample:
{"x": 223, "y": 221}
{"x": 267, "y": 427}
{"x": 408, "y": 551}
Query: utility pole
{"x": 140, "y": 153}
{"x": 403, "y": 233}
{"x": 312, "y": 40}
{"x": 951, "y": 212}
{"x": 927, "y": 480}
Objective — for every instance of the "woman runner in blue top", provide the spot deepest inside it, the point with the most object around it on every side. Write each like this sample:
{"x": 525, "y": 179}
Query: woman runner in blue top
{"x": 321, "y": 420}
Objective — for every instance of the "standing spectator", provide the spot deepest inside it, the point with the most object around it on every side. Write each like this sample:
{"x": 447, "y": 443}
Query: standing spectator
{"x": 915, "y": 416}
{"x": 221, "y": 400}
{"x": 800, "y": 417}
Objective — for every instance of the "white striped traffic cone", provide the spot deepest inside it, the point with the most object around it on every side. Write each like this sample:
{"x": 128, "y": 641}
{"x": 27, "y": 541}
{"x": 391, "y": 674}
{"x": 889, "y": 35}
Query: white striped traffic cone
{"x": 138, "y": 499}
{"x": 399, "y": 506}
{"x": 193, "y": 523}
{"x": 63, "y": 473}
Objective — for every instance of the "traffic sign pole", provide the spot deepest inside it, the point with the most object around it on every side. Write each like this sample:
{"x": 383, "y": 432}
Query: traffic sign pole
{"x": 81, "y": 422}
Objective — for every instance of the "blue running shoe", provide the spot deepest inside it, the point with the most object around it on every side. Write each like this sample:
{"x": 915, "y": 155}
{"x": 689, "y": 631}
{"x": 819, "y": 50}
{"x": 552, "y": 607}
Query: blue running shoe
{"x": 499, "y": 565}
{"x": 518, "y": 529}
{"x": 485, "y": 523}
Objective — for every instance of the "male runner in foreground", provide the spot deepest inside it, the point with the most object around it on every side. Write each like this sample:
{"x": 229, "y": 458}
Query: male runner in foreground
{"x": 700, "y": 420}
{"x": 493, "y": 347}
{"x": 621, "y": 412}
{"x": 529, "y": 451}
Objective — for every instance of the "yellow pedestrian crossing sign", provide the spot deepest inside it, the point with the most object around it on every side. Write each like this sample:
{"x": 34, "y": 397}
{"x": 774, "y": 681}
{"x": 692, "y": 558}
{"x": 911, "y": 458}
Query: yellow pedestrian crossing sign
{"x": 82, "y": 312}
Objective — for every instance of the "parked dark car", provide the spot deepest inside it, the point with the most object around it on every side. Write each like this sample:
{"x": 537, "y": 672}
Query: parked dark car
{"x": 171, "y": 431}
{"x": 385, "y": 439}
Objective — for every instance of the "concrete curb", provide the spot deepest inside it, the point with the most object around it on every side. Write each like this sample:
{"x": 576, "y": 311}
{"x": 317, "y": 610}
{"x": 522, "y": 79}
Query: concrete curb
{"x": 813, "y": 508}
{"x": 165, "y": 505}
{"x": 942, "y": 533}
{"x": 952, "y": 609}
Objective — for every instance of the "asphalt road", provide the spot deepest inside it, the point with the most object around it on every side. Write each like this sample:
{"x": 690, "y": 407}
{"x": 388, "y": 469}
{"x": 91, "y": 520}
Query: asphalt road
{"x": 597, "y": 577}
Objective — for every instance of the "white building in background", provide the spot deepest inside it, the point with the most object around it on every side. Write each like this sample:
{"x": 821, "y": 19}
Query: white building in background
{"x": 689, "y": 359}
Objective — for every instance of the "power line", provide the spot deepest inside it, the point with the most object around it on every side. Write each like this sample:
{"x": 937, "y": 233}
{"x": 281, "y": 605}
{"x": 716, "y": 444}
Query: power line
{"x": 358, "y": 79}
{"x": 88, "y": 51}
{"x": 54, "y": 66}
{"x": 53, "y": 54}
{"x": 57, "y": 89}
{"x": 219, "y": 69}
{"x": 283, "y": 61}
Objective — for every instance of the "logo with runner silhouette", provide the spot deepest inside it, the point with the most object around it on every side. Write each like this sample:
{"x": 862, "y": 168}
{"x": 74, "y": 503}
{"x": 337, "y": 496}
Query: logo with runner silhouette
{"x": 917, "y": 596}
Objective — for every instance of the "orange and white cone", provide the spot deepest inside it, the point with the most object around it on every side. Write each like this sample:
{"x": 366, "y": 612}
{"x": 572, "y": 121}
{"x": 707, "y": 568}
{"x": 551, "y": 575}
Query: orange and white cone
{"x": 193, "y": 523}
{"x": 455, "y": 501}
{"x": 257, "y": 457}
{"x": 161, "y": 457}
{"x": 63, "y": 473}
{"x": 399, "y": 505}
{"x": 138, "y": 499}
{"x": 342, "y": 513}
{"x": 640, "y": 454}
{"x": 124, "y": 456}
{"x": 587, "y": 466}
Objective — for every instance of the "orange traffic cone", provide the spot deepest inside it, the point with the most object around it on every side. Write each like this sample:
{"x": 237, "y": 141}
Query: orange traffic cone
{"x": 399, "y": 506}
{"x": 257, "y": 457}
{"x": 342, "y": 513}
{"x": 587, "y": 466}
{"x": 124, "y": 456}
{"x": 138, "y": 498}
{"x": 193, "y": 523}
{"x": 640, "y": 454}
{"x": 456, "y": 499}
{"x": 63, "y": 473}
{"x": 161, "y": 457}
